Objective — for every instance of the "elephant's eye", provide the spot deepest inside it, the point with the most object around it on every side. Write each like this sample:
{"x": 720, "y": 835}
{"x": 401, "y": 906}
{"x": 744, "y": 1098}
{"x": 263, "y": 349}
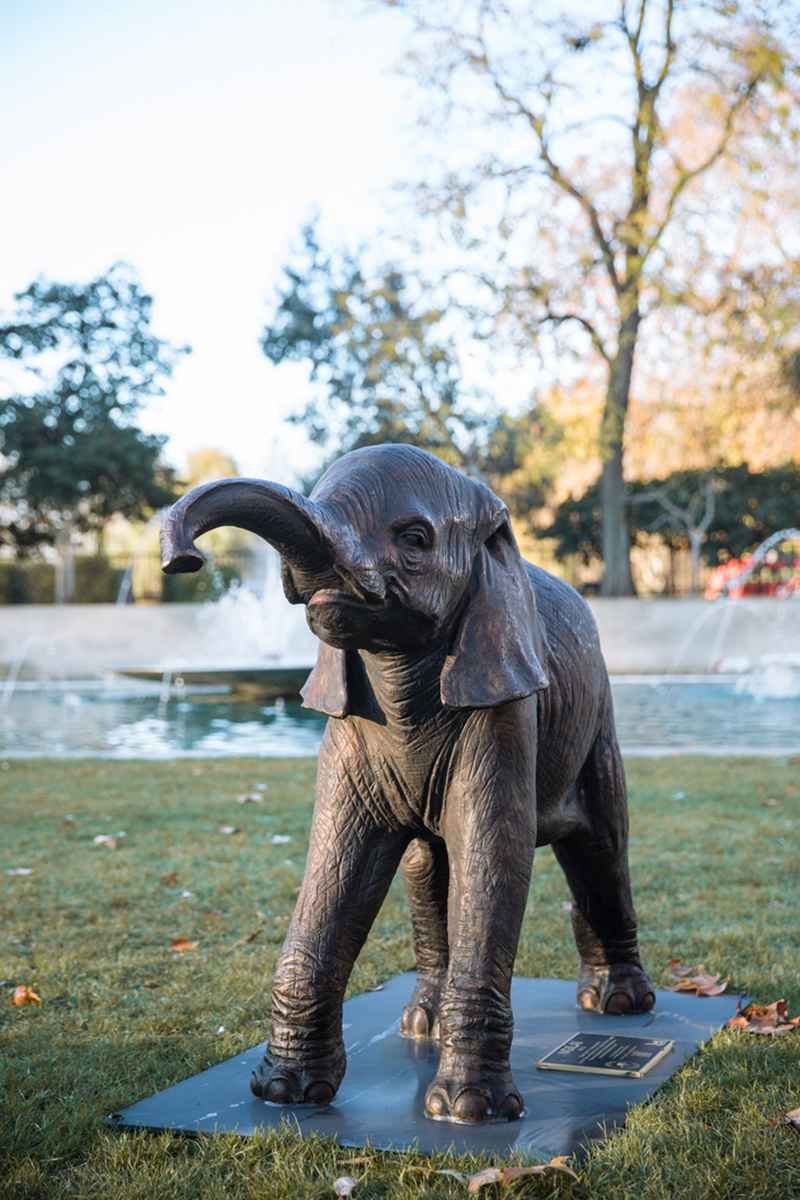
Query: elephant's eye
{"x": 414, "y": 537}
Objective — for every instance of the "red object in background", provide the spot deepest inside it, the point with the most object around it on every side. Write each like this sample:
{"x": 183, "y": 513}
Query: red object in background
{"x": 777, "y": 576}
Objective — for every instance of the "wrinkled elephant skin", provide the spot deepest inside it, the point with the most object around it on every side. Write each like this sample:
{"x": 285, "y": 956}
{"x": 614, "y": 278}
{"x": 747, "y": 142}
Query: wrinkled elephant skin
{"x": 470, "y": 721}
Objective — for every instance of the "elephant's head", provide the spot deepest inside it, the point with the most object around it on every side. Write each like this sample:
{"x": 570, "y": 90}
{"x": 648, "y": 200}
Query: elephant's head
{"x": 393, "y": 550}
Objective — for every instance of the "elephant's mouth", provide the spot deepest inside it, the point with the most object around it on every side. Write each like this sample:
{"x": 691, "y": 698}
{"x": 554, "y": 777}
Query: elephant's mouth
{"x": 348, "y": 620}
{"x": 333, "y": 596}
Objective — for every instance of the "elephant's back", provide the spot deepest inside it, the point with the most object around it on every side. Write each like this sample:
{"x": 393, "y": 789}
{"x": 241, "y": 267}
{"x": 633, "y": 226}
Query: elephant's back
{"x": 567, "y": 621}
{"x": 577, "y": 704}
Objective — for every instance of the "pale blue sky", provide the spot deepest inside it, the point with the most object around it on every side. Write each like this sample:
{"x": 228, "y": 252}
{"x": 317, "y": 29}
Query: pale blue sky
{"x": 192, "y": 139}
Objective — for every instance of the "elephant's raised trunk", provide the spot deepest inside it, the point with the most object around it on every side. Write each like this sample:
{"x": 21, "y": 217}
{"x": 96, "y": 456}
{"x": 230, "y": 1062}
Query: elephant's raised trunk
{"x": 282, "y": 517}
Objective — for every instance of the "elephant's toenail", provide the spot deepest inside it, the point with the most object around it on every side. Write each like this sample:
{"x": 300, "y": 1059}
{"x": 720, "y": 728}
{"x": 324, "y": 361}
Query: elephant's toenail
{"x": 319, "y": 1093}
{"x": 512, "y": 1108}
{"x": 588, "y": 999}
{"x": 279, "y": 1091}
{"x": 648, "y": 1002}
{"x": 618, "y": 1003}
{"x": 436, "y": 1105}
{"x": 419, "y": 1023}
{"x": 471, "y": 1106}
{"x": 256, "y": 1086}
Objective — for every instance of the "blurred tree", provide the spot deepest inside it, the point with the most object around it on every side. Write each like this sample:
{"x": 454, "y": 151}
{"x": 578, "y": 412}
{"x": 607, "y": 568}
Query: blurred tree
{"x": 747, "y": 507}
{"x": 226, "y": 546}
{"x": 387, "y": 371}
{"x": 581, "y": 161}
{"x": 750, "y": 506}
{"x": 80, "y": 360}
{"x": 576, "y": 527}
{"x": 690, "y": 514}
{"x": 208, "y": 463}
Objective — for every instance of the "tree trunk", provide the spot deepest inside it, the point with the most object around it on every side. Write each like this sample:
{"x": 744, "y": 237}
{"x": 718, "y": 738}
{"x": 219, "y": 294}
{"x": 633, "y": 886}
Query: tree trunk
{"x": 617, "y": 578}
{"x": 696, "y": 539}
{"x": 64, "y": 568}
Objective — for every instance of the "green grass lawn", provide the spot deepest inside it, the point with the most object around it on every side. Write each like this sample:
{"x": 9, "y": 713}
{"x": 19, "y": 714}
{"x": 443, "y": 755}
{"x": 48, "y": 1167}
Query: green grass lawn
{"x": 715, "y": 851}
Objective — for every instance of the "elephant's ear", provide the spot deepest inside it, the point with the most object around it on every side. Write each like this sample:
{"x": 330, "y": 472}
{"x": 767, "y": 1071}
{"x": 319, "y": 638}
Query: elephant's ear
{"x": 325, "y": 690}
{"x": 498, "y": 648}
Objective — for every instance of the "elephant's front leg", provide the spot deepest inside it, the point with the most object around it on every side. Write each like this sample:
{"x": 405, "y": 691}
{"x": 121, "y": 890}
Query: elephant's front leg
{"x": 351, "y": 862}
{"x": 489, "y": 828}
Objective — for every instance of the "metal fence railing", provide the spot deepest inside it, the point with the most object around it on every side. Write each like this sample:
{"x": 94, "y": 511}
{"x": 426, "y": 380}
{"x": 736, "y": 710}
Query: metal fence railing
{"x": 116, "y": 578}
{"x": 109, "y": 579}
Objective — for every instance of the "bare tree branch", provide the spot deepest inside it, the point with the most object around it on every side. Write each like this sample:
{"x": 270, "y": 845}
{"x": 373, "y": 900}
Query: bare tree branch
{"x": 548, "y": 316}
{"x": 669, "y": 47}
{"x": 633, "y": 38}
{"x": 554, "y": 318}
{"x": 683, "y": 516}
{"x": 481, "y": 63}
{"x": 687, "y": 175}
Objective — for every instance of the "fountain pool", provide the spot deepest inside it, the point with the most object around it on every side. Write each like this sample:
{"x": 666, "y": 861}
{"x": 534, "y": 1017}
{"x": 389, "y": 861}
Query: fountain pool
{"x": 209, "y": 695}
{"x": 124, "y": 718}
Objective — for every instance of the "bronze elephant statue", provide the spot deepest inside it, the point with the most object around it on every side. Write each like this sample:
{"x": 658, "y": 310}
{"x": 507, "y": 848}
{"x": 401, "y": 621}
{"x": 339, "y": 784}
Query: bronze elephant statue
{"x": 470, "y": 721}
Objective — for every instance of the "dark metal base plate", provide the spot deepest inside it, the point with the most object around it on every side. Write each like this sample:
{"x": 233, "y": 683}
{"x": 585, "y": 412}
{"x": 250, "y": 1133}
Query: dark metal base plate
{"x": 381, "y": 1099}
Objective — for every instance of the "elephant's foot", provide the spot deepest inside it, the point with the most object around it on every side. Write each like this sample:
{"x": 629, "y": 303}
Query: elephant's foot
{"x": 420, "y": 1017}
{"x": 616, "y": 990}
{"x": 469, "y": 1094}
{"x": 286, "y": 1081}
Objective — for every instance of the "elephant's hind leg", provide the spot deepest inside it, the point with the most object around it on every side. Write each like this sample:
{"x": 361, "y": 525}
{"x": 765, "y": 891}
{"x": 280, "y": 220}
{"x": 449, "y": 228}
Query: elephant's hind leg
{"x": 426, "y": 875}
{"x": 611, "y": 977}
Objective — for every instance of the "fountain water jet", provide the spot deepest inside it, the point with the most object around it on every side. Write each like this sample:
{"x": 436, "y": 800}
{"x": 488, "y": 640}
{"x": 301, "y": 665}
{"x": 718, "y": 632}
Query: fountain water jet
{"x": 773, "y": 676}
{"x": 758, "y": 556}
{"x": 248, "y": 639}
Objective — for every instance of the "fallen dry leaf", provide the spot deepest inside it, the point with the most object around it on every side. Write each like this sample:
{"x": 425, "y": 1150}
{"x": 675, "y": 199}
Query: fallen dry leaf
{"x": 344, "y": 1185}
{"x": 106, "y": 839}
{"x": 250, "y": 798}
{"x": 459, "y": 1175}
{"x": 490, "y": 1175}
{"x": 793, "y": 1118}
{"x": 249, "y": 937}
{"x": 508, "y": 1175}
{"x": 229, "y": 829}
{"x": 181, "y": 945}
{"x": 770, "y": 1019}
{"x": 171, "y": 879}
{"x": 678, "y": 969}
{"x": 25, "y": 995}
{"x": 701, "y": 985}
{"x": 694, "y": 980}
